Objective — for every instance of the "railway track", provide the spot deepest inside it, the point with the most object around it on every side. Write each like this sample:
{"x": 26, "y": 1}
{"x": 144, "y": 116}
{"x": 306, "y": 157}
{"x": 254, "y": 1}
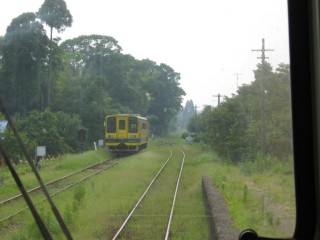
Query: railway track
{"x": 55, "y": 187}
{"x": 157, "y": 219}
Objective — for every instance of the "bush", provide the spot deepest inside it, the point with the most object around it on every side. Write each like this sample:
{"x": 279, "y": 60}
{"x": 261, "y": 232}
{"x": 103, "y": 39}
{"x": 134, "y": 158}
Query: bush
{"x": 12, "y": 147}
{"x": 56, "y": 131}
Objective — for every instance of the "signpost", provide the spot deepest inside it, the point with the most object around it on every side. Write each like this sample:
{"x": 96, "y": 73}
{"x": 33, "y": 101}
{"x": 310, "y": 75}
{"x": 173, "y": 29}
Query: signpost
{"x": 40, "y": 152}
{"x": 100, "y": 143}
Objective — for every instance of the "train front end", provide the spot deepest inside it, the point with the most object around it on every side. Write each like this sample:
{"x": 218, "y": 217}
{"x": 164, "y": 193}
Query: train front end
{"x": 126, "y": 133}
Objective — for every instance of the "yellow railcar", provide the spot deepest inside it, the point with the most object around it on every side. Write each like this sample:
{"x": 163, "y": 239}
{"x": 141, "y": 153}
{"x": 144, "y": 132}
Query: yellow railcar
{"x": 126, "y": 132}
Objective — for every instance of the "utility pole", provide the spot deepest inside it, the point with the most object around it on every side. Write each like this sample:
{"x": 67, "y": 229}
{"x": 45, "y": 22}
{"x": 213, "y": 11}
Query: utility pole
{"x": 219, "y": 96}
{"x": 237, "y": 74}
{"x": 262, "y": 97}
{"x": 262, "y": 50}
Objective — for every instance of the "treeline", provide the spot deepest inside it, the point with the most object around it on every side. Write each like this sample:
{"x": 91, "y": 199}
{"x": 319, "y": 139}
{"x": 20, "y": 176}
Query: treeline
{"x": 76, "y": 83}
{"x": 257, "y": 120}
{"x": 186, "y": 114}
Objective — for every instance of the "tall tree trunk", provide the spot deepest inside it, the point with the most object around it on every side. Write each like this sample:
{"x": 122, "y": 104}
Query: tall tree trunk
{"x": 49, "y": 72}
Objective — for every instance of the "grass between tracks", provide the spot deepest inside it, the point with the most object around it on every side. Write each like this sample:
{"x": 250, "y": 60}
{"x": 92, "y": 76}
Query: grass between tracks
{"x": 259, "y": 196}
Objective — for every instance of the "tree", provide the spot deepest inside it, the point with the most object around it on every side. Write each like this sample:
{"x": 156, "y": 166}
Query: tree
{"x": 127, "y": 84}
{"x": 24, "y": 53}
{"x": 85, "y": 48}
{"x": 165, "y": 97}
{"x": 55, "y": 130}
{"x": 188, "y": 112}
{"x": 56, "y": 15}
{"x": 1, "y": 54}
{"x": 256, "y": 120}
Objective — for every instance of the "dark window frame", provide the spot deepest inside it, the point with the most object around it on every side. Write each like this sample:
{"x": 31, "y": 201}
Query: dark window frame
{"x": 304, "y": 41}
{"x": 122, "y": 124}
{"x": 111, "y": 125}
{"x": 133, "y": 124}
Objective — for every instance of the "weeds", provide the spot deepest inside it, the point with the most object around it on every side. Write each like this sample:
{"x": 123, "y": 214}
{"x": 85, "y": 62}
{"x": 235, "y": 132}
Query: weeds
{"x": 254, "y": 192}
{"x": 245, "y": 194}
{"x": 269, "y": 164}
{"x": 266, "y": 187}
{"x": 78, "y": 197}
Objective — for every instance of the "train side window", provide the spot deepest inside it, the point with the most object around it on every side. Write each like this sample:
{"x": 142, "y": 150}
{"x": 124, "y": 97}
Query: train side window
{"x": 133, "y": 127}
{"x": 111, "y": 125}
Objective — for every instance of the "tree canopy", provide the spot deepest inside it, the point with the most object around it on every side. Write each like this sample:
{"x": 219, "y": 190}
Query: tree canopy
{"x": 24, "y": 52}
{"x": 92, "y": 78}
{"x": 55, "y": 14}
{"x": 255, "y": 121}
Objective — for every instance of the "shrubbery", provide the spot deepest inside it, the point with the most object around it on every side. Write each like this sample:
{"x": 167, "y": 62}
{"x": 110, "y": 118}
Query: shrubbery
{"x": 255, "y": 121}
{"x": 55, "y": 130}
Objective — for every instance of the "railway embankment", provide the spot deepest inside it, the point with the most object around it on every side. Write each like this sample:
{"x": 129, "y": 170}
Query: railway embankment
{"x": 221, "y": 226}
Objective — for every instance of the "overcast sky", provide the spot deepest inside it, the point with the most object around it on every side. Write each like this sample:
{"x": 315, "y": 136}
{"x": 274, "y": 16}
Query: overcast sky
{"x": 207, "y": 41}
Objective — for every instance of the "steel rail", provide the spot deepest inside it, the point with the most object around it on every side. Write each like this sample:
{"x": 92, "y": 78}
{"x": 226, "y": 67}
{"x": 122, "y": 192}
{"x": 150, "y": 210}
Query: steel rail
{"x": 38, "y": 177}
{"x": 141, "y": 198}
{"x": 175, "y": 196}
{"x": 52, "y": 182}
{"x": 59, "y": 191}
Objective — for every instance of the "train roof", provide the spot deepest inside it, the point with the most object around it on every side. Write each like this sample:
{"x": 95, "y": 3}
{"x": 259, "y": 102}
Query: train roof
{"x": 127, "y": 115}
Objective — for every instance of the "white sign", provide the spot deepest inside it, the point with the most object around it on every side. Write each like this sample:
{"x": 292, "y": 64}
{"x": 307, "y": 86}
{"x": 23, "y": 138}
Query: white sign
{"x": 100, "y": 142}
{"x": 189, "y": 140}
{"x": 3, "y": 125}
{"x": 41, "y": 151}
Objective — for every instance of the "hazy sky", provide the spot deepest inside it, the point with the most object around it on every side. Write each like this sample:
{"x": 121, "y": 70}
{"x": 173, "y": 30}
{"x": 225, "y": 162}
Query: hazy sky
{"x": 207, "y": 41}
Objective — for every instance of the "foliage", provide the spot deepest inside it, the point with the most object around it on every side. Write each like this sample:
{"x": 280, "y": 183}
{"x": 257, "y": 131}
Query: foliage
{"x": 87, "y": 98}
{"x": 256, "y": 120}
{"x": 91, "y": 78}
{"x": 57, "y": 131}
{"x": 255, "y": 199}
{"x": 55, "y": 14}
{"x": 24, "y": 49}
{"x": 165, "y": 97}
{"x": 132, "y": 86}
{"x": 12, "y": 147}
{"x": 184, "y": 117}
{"x": 68, "y": 126}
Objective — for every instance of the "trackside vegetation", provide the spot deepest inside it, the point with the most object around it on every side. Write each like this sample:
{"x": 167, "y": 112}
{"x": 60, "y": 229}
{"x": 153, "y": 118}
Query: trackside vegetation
{"x": 55, "y": 88}
{"x": 256, "y": 121}
{"x": 51, "y": 169}
{"x": 258, "y": 194}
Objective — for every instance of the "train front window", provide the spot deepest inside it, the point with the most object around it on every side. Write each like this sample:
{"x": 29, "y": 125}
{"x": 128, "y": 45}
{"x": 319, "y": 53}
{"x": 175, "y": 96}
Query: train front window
{"x": 122, "y": 124}
{"x": 133, "y": 125}
{"x": 111, "y": 125}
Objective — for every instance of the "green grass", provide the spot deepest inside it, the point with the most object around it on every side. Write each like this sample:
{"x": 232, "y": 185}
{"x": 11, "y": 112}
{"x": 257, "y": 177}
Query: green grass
{"x": 50, "y": 170}
{"x": 263, "y": 199}
{"x": 258, "y": 195}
